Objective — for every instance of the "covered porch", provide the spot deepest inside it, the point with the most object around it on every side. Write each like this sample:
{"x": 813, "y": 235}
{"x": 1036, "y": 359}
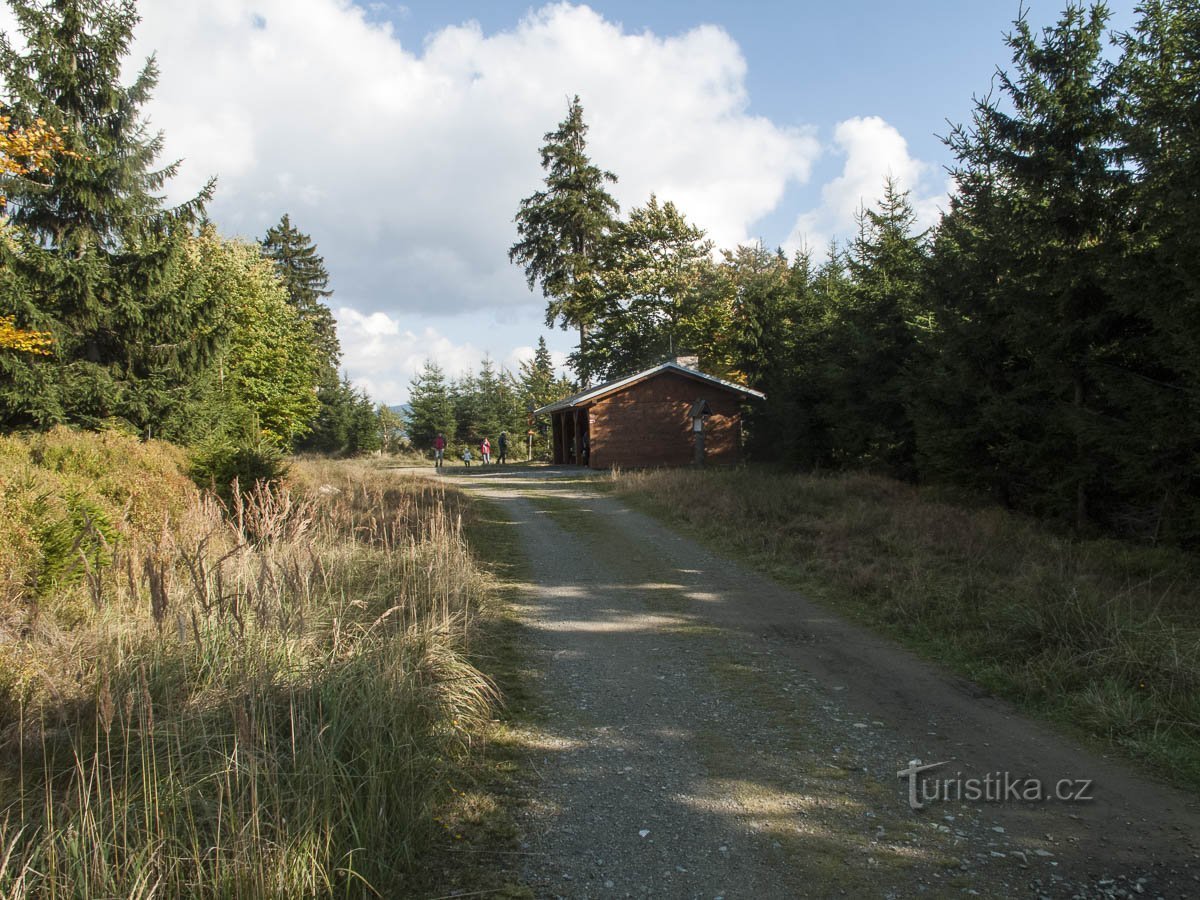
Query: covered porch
{"x": 570, "y": 436}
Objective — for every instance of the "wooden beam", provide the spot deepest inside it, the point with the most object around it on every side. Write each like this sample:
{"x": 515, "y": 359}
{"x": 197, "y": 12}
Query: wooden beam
{"x": 578, "y": 440}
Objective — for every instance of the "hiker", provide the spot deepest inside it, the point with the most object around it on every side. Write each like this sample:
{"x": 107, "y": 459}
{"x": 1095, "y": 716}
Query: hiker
{"x": 439, "y": 450}
{"x": 466, "y": 456}
{"x": 485, "y": 450}
{"x": 502, "y": 449}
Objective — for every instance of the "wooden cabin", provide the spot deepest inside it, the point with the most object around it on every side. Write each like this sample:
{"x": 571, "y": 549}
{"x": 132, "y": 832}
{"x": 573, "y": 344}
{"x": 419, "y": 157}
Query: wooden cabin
{"x": 668, "y": 415}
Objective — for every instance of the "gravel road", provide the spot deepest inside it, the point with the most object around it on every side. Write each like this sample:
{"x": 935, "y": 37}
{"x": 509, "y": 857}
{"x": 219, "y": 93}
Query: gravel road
{"x": 705, "y": 732}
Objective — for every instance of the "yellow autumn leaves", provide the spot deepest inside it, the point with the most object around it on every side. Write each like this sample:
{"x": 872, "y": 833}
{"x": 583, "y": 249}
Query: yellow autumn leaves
{"x": 28, "y": 149}
{"x": 22, "y": 151}
{"x": 14, "y": 338}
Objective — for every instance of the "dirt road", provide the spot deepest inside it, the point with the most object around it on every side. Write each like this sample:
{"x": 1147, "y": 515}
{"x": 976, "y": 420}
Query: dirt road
{"x": 705, "y": 732}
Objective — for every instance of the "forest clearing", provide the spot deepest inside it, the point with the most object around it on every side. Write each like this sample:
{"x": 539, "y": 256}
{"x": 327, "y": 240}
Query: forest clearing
{"x": 231, "y": 704}
{"x": 580, "y": 547}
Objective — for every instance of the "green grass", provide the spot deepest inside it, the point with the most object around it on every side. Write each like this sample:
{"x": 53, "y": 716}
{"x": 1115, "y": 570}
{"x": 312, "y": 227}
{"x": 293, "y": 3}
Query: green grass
{"x": 478, "y": 850}
{"x": 1097, "y": 635}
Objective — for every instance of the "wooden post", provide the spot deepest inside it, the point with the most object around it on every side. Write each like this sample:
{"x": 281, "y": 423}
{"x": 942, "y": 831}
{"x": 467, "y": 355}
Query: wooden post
{"x": 564, "y": 439}
{"x": 578, "y": 440}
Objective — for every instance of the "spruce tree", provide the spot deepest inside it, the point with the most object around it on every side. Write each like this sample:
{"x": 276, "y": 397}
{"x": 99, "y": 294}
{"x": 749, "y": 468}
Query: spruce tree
{"x": 1158, "y": 79}
{"x": 1037, "y": 232}
{"x": 496, "y": 401}
{"x": 886, "y": 261}
{"x": 564, "y": 231}
{"x": 757, "y": 284}
{"x": 94, "y": 256}
{"x": 537, "y": 386}
{"x": 430, "y": 410}
{"x": 536, "y": 379}
{"x": 307, "y": 282}
{"x": 345, "y": 422}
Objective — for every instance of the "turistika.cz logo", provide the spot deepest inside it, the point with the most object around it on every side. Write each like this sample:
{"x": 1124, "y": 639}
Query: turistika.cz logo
{"x": 994, "y": 787}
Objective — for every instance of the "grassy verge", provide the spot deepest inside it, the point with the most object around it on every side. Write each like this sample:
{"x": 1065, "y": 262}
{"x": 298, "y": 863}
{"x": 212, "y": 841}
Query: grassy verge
{"x": 1101, "y": 636}
{"x": 273, "y": 702}
{"x": 480, "y": 852}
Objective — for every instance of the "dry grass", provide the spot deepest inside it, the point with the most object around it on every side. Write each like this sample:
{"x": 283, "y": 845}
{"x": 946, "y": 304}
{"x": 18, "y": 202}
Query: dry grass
{"x": 1101, "y": 635}
{"x": 267, "y": 702}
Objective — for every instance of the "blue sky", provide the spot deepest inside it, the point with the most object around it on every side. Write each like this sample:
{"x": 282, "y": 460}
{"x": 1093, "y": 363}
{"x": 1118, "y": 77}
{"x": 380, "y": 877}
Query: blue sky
{"x": 917, "y": 65}
{"x": 402, "y": 137}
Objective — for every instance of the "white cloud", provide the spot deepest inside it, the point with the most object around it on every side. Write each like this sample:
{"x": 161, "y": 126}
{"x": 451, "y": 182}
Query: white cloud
{"x": 407, "y": 164}
{"x": 521, "y": 355}
{"x": 385, "y": 356}
{"x": 873, "y": 150}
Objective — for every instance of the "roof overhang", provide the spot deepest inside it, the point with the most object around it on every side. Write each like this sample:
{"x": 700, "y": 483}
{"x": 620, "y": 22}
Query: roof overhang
{"x": 591, "y": 395}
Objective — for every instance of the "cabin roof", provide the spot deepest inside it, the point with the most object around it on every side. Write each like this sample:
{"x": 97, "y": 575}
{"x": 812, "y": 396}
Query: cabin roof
{"x": 583, "y": 398}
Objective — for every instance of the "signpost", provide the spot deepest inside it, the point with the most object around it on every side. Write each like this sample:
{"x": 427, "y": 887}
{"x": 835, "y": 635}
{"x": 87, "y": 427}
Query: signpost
{"x": 700, "y": 412}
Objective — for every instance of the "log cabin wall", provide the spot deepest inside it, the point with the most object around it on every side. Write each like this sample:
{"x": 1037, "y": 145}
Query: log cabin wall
{"x": 649, "y": 424}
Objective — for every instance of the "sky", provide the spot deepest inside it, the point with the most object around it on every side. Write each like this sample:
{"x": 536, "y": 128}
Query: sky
{"x": 402, "y": 137}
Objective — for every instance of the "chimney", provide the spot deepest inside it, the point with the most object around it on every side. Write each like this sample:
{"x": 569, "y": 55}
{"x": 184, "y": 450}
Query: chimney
{"x": 688, "y": 362}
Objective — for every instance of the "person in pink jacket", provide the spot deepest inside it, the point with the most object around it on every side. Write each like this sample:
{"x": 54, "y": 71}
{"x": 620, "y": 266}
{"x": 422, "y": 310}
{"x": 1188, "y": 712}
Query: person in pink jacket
{"x": 485, "y": 450}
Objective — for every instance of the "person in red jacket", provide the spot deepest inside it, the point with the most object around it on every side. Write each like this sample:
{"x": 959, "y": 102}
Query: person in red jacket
{"x": 485, "y": 450}
{"x": 439, "y": 450}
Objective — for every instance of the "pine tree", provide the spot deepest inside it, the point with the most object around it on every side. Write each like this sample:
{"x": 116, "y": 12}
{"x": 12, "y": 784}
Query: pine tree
{"x": 564, "y": 231}
{"x": 960, "y": 396}
{"x": 1159, "y": 376}
{"x": 307, "y": 282}
{"x": 345, "y": 422}
{"x": 819, "y": 346}
{"x": 757, "y": 284}
{"x": 466, "y": 402}
{"x": 365, "y": 432}
{"x": 94, "y": 256}
{"x": 886, "y": 261}
{"x": 537, "y": 386}
{"x": 1037, "y": 230}
{"x": 430, "y": 410}
{"x": 497, "y": 401}
{"x": 536, "y": 379}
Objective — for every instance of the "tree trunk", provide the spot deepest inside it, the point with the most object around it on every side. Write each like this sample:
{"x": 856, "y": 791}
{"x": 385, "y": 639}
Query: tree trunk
{"x": 585, "y": 376}
{"x": 1081, "y": 513}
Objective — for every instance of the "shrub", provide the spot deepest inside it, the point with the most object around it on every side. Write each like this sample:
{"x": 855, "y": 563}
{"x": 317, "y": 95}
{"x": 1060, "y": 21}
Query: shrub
{"x": 225, "y": 464}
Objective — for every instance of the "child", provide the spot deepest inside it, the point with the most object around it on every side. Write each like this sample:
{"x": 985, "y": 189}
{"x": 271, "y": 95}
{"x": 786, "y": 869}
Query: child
{"x": 467, "y": 457}
{"x": 485, "y": 450}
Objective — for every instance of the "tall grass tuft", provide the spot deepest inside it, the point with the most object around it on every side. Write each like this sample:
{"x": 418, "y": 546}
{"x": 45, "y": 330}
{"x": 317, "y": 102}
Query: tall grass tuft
{"x": 259, "y": 701}
{"x": 1100, "y": 634}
